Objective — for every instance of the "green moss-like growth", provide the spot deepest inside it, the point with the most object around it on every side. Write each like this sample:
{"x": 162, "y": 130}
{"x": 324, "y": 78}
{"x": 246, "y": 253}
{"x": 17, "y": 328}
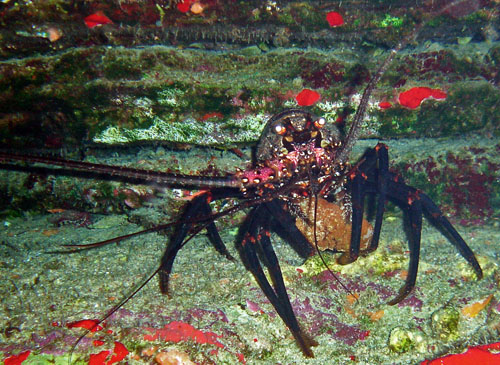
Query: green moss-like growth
{"x": 444, "y": 323}
{"x": 208, "y": 133}
{"x": 118, "y": 68}
{"x": 475, "y": 107}
{"x": 403, "y": 340}
{"x": 390, "y": 21}
{"x": 45, "y": 359}
{"x": 397, "y": 121}
{"x": 494, "y": 53}
{"x": 377, "y": 263}
{"x": 128, "y": 88}
{"x": 300, "y": 15}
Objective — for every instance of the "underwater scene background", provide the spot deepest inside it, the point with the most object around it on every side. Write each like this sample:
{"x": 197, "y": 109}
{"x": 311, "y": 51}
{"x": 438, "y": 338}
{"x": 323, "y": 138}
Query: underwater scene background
{"x": 187, "y": 87}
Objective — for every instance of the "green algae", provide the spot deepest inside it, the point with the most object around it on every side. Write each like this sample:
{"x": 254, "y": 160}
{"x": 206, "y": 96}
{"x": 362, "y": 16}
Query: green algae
{"x": 445, "y": 323}
{"x": 390, "y": 21}
{"x": 131, "y": 88}
{"x": 377, "y": 263}
{"x": 403, "y": 340}
{"x": 457, "y": 114}
{"x": 208, "y": 133}
{"x": 44, "y": 359}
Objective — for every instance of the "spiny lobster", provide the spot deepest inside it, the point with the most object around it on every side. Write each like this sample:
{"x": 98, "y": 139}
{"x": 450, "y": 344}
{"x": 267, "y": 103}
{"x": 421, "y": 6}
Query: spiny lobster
{"x": 300, "y": 157}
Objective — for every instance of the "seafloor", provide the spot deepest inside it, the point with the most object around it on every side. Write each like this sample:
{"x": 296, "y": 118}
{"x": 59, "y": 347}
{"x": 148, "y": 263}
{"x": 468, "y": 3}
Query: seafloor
{"x": 43, "y": 290}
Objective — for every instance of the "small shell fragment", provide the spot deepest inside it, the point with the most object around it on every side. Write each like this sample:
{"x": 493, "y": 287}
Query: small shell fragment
{"x": 473, "y": 309}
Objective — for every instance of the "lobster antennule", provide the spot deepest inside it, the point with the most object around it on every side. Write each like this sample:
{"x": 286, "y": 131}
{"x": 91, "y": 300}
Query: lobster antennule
{"x": 92, "y": 170}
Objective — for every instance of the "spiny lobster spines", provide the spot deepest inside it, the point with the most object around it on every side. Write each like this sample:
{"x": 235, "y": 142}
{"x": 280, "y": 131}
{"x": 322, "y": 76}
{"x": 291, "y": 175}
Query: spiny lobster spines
{"x": 295, "y": 130}
{"x": 306, "y": 170}
{"x": 305, "y": 151}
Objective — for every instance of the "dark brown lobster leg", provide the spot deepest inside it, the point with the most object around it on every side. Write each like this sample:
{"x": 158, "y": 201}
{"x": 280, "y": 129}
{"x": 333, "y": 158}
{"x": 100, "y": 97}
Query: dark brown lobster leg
{"x": 375, "y": 167}
{"x": 358, "y": 203}
{"x": 256, "y": 236}
{"x": 213, "y": 234}
{"x": 372, "y": 176}
{"x": 435, "y": 216}
{"x": 192, "y": 218}
{"x": 415, "y": 204}
{"x": 414, "y": 214}
{"x": 382, "y": 181}
{"x": 284, "y": 224}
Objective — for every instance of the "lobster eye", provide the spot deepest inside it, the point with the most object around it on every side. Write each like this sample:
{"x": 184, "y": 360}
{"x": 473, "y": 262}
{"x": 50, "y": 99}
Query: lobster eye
{"x": 320, "y": 123}
{"x": 280, "y": 129}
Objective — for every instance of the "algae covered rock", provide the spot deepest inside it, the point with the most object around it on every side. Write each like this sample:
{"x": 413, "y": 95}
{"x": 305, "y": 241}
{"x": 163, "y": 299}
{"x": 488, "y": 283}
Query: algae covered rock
{"x": 403, "y": 340}
{"x": 444, "y": 323}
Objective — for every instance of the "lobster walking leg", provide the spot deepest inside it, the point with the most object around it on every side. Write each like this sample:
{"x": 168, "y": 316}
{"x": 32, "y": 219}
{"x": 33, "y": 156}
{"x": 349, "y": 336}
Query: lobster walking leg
{"x": 193, "y": 216}
{"x": 382, "y": 179}
{"x": 435, "y": 215}
{"x": 256, "y": 236}
{"x": 284, "y": 225}
{"x": 358, "y": 203}
{"x": 416, "y": 204}
{"x": 414, "y": 213}
{"x": 372, "y": 176}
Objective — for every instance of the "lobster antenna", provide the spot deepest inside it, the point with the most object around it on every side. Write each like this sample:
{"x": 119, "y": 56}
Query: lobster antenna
{"x": 314, "y": 193}
{"x": 112, "y": 311}
{"x": 353, "y": 134}
{"x": 319, "y": 252}
{"x": 131, "y": 295}
{"x": 90, "y": 170}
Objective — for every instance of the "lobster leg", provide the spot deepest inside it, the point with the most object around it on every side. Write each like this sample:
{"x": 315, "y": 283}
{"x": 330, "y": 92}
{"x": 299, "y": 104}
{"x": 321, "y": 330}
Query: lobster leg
{"x": 257, "y": 237}
{"x": 372, "y": 176}
{"x": 415, "y": 226}
{"x": 436, "y": 217}
{"x": 417, "y": 203}
{"x": 382, "y": 179}
{"x": 285, "y": 226}
{"x": 374, "y": 167}
{"x": 214, "y": 237}
{"x": 358, "y": 203}
{"x": 274, "y": 269}
{"x": 196, "y": 209}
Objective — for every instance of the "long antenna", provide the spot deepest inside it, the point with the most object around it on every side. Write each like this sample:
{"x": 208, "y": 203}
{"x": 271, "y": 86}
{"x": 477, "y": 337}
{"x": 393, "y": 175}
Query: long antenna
{"x": 315, "y": 189}
{"x": 131, "y": 295}
{"x": 117, "y": 173}
{"x": 353, "y": 134}
{"x": 321, "y": 255}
